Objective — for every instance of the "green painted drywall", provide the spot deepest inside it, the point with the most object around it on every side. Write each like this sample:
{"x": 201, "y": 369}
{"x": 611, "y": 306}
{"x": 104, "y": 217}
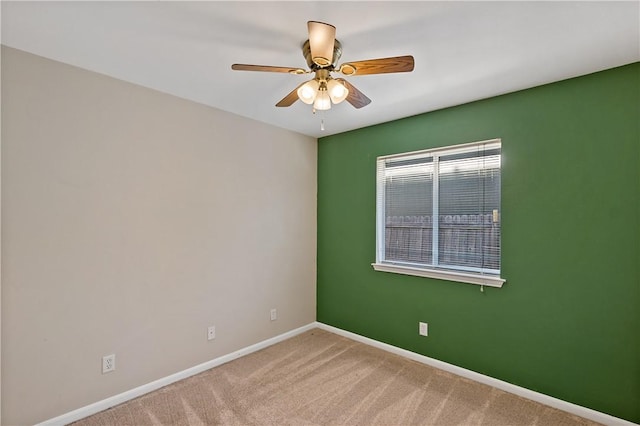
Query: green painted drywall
{"x": 567, "y": 323}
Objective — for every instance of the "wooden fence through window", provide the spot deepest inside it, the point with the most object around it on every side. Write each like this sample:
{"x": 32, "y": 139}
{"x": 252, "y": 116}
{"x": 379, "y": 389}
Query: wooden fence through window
{"x": 463, "y": 240}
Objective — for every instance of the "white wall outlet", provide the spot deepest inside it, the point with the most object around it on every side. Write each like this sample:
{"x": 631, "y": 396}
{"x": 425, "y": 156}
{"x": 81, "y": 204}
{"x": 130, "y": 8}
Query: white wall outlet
{"x": 211, "y": 332}
{"x": 108, "y": 363}
{"x": 274, "y": 314}
{"x": 423, "y": 329}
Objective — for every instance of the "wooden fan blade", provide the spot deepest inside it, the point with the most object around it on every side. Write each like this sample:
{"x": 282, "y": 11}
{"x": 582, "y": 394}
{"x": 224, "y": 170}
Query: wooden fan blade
{"x": 355, "y": 97}
{"x": 321, "y": 42}
{"x": 378, "y": 66}
{"x": 267, "y": 68}
{"x": 290, "y": 98}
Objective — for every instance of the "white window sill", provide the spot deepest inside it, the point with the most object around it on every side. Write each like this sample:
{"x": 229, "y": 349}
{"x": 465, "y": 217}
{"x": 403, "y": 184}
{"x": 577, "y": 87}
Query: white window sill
{"x": 462, "y": 277}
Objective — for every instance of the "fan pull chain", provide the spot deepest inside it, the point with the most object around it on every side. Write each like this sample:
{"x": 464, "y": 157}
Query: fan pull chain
{"x": 321, "y": 119}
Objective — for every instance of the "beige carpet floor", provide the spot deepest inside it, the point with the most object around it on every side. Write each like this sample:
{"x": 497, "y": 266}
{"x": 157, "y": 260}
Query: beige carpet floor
{"x": 320, "y": 378}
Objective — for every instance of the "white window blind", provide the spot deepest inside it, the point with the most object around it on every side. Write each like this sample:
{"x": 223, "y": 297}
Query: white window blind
{"x": 440, "y": 209}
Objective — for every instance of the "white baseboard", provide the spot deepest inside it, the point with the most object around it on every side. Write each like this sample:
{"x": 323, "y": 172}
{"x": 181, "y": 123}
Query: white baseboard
{"x": 94, "y": 408}
{"x": 578, "y": 410}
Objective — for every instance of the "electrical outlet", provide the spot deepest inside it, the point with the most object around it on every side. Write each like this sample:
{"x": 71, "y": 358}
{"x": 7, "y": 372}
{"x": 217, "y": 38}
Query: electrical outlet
{"x": 423, "y": 329}
{"x": 211, "y": 332}
{"x": 274, "y": 314}
{"x": 108, "y": 363}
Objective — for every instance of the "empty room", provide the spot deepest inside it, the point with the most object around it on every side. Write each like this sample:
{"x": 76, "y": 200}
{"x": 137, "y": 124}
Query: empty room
{"x": 320, "y": 213}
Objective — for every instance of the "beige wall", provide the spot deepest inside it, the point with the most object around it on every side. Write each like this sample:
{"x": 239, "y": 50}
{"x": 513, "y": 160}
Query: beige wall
{"x": 132, "y": 220}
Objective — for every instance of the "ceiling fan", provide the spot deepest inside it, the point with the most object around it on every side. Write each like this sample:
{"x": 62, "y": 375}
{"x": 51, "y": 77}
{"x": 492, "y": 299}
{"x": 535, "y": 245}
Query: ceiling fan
{"x": 322, "y": 51}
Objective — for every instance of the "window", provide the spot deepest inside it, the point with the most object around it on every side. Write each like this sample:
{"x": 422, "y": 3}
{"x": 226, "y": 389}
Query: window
{"x": 438, "y": 213}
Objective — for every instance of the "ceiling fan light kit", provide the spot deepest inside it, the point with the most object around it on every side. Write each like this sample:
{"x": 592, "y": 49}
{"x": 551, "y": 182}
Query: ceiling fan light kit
{"x": 337, "y": 91}
{"x": 322, "y": 102}
{"x": 322, "y": 51}
{"x": 322, "y": 90}
{"x": 308, "y": 91}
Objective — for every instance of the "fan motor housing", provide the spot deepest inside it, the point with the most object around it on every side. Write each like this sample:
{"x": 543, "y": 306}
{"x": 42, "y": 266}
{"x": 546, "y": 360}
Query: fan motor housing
{"x": 337, "y": 52}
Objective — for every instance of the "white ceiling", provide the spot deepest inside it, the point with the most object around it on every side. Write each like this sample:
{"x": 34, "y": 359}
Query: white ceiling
{"x": 464, "y": 51}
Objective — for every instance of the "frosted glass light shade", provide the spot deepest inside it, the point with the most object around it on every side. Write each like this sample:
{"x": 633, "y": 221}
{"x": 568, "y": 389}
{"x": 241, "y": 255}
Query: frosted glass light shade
{"x": 322, "y": 101}
{"x": 321, "y": 42}
{"x": 308, "y": 91}
{"x": 338, "y": 92}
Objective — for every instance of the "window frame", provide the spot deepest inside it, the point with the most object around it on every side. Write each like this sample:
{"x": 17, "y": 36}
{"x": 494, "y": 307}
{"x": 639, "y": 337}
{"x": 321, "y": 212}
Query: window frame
{"x": 418, "y": 269}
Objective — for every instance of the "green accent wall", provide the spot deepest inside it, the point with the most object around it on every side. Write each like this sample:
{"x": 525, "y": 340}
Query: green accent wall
{"x": 567, "y": 322}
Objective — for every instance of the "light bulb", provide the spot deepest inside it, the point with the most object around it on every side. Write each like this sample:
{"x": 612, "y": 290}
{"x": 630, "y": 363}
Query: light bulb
{"x": 308, "y": 91}
{"x": 322, "y": 101}
{"x": 337, "y": 91}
